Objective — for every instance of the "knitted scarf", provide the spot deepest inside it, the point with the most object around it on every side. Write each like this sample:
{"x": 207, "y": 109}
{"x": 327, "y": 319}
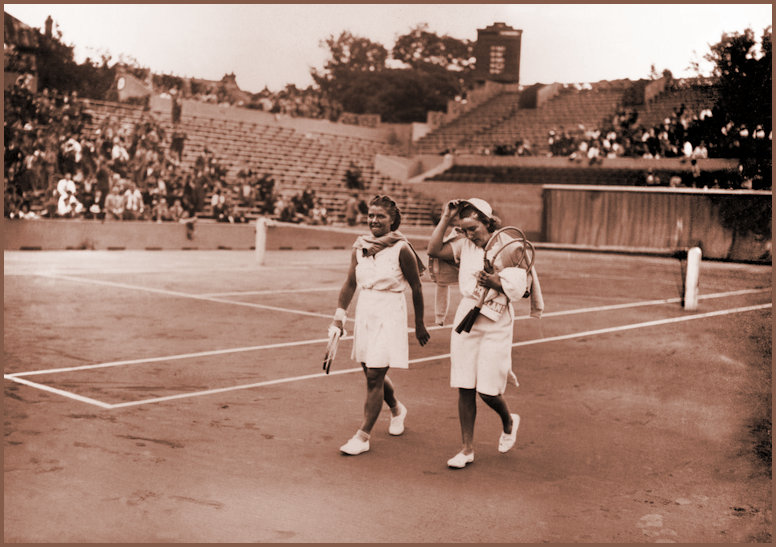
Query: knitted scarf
{"x": 371, "y": 245}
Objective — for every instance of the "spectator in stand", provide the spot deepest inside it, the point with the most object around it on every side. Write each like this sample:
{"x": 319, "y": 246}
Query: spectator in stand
{"x": 178, "y": 143}
{"x": 159, "y": 209}
{"x": 94, "y": 210}
{"x": 190, "y": 197}
{"x": 695, "y": 173}
{"x": 318, "y": 213}
{"x": 11, "y": 202}
{"x": 71, "y": 154}
{"x": 69, "y": 206}
{"x": 363, "y": 210}
{"x": 247, "y": 197}
{"x": 114, "y": 204}
{"x": 119, "y": 156}
{"x": 88, "y": 192}
{"x": 24, "y": 212}
{"x": 308, "y": 198}
{"x": 133, "y": 203}
{"x": 278, "y": 206}
{"x": 700, "y": 151}
{"x": 218, "y": 203}
{"x": 651, "y": 179}
{"x": 66, "y": 186}
{"x": 351, "y": 209}
{"x": 353, "y": 177}
{"x": 177, "y": 108}
{"x": 176, "y": 211}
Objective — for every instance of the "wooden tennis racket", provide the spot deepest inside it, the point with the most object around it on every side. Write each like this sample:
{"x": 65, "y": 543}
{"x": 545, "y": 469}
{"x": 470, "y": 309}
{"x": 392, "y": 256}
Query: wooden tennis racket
{"x": 515, "y": 251}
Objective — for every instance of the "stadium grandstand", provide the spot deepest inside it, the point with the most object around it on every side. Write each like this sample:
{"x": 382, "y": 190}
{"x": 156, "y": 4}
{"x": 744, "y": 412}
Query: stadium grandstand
{"x": 191, "y": 154}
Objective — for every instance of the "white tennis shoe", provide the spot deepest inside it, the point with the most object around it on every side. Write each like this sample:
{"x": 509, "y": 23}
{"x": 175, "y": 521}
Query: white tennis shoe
{"x": 397, "y": 422}
{"x": 507, "y": 440}
{"x": 460, "y": 460}
{"x": 354, "y": 446}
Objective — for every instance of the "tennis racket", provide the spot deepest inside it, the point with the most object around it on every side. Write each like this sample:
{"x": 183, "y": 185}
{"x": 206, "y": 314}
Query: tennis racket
{"x": 515, "y": 250}
{"x": 331, "y": 347}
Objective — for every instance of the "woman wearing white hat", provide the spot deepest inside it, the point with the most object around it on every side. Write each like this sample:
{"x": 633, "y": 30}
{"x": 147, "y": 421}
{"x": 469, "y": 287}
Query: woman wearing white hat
{"x": 480, "y": 360}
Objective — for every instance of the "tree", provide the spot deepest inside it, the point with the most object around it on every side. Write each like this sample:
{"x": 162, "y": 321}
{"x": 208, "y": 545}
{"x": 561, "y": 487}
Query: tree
{"x": 743, "y": 77}
{"x": 354, "y": 53}
{"x": 355, "y": 79}
{"x": 350, "y": 59}
{"x": 422, "y": 47}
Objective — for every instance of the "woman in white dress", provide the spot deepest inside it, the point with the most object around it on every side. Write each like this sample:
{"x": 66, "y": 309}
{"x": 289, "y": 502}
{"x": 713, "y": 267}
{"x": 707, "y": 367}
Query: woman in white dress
{"x": 480, "y": 360}
{"x": 382, "y": 266}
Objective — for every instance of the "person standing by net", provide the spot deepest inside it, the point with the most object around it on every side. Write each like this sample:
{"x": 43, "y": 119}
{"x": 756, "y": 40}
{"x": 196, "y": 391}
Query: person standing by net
{"x": 383, "y": 264}
{"x": 444, "y": 274}
{"x": 480, "y": 360}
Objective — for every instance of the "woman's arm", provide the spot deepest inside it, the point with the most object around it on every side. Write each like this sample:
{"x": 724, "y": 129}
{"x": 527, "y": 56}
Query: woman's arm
{"x": 409, "y": 267}
{"x": 436, "y": 249}
{"x": 346, "y": 292}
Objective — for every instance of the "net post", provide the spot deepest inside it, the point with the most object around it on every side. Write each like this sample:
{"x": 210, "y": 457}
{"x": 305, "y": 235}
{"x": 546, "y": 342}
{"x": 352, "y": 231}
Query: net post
{"x": 261, "y": 239}
{"x": 691, "y": 279}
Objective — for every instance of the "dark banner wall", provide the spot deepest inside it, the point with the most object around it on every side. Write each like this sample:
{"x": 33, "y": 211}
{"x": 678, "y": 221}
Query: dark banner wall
{"x": 726, "y": 225}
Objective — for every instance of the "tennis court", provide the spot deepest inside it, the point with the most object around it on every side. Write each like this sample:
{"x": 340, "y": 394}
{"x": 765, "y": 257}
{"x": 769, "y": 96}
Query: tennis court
{"x": 177, "y": 396}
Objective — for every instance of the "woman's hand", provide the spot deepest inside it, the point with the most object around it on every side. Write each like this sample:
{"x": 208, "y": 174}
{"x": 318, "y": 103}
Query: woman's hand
{"x": 337, "y": 324}
{"x": 421, "y": 333}
{"x": 450, "y": 209}
{"x": 490, "y": 280}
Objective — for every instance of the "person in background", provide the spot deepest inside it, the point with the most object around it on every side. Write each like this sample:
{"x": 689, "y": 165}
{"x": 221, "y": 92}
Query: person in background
{"x": 133, "y": 203}
{"x": 114, "y": 204}
{"x": 351, "y": 210}
{"x": 444, "y": 274}
{"x": 382, "y": 265}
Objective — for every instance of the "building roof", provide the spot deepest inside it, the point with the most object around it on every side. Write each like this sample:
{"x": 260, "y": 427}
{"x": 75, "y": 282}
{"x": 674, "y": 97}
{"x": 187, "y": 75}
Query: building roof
{"x": 18, "y": 34}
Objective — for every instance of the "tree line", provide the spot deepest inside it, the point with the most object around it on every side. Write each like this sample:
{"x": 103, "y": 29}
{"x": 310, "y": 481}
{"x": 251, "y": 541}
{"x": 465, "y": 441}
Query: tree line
{"x": 421, "y": 73}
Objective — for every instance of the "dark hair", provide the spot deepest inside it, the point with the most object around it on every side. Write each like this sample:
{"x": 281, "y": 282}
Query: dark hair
{"x": 492, "y": 223}
{"x": 390, "y": 207}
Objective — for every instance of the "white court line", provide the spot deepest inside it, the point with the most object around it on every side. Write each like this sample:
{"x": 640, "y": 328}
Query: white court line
{"x": 232, "y": 388}
{"x": 622, "y": 328}
{"x": 607, "y": 330}
{"x": 172, "y": 357}
{"x": 322, "y": 340}
{"x": 212, "y": 298}
{"x": 270, "y": 291}
{"x": 185, "y": 295}
{"x": 610, "y": 307}
{"x": 68, "y": 394}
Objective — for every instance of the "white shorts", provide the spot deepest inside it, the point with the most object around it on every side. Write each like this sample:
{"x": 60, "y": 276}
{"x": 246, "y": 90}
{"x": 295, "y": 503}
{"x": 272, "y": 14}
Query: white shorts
{"x": 380, "y": 333}
{"x": 481, "y": 359}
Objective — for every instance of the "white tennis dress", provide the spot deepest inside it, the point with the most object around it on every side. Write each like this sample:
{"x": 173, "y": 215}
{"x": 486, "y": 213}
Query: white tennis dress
{"x": 481, "y": 359}
{"x": 380, "y": 332}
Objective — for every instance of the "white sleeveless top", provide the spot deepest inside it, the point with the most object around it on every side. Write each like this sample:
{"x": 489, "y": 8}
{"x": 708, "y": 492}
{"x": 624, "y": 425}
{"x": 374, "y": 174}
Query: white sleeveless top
{"x": 382, "y": 271}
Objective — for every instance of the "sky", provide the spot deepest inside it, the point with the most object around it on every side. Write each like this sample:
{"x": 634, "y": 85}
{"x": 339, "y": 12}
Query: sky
{"x": 276, "y": 44}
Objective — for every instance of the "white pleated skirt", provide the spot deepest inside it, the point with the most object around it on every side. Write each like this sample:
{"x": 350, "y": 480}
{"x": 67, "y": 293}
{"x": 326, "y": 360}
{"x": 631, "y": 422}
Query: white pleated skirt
{"x": 380, "y": 333}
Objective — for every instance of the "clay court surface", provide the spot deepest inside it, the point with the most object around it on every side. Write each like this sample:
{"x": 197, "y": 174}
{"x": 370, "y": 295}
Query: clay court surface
{"x": 178, "y": 397}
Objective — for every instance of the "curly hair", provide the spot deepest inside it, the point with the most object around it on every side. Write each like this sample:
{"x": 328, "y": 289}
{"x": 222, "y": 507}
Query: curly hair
{"x": 387, "y": 203}
{"x": 492, "y": 223}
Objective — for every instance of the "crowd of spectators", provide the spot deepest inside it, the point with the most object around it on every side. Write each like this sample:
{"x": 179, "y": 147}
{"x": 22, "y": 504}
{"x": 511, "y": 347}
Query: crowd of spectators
{"x": 300, "y": 207}
{"x": 59, "y": 163}
{"x": 688, "y": 135}
{"x": 58, "y": 159}
{"x": 520, "y": 147}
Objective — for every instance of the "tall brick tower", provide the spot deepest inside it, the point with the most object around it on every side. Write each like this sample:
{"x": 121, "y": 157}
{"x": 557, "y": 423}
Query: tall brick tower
{"x": 497, "y": 54}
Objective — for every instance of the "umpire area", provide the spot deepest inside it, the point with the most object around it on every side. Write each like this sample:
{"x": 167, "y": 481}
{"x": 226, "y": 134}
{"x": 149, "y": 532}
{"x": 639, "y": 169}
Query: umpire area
{"x": 177, "y": 396}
